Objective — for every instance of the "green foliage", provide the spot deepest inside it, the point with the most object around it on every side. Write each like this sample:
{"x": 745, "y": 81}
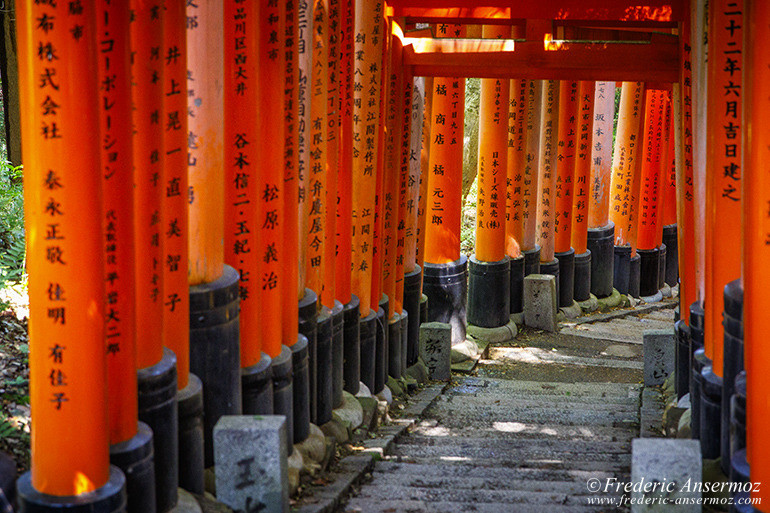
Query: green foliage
{"x": 471, "y": 135}
{"x": 12, "y": 247}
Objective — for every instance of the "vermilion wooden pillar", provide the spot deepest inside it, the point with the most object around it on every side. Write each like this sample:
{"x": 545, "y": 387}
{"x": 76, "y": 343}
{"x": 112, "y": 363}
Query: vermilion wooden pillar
{"x": 581, "y": 189}
{"x": 422, "y": 208}
{"x": 600, "y": 230}
{"x": 65, "y": 257}
{"x": 668, "y": 199}
{"x": 489, "y": 282}
{"x": 529, "y": 184}
{"x": 514, "y": 227}
{"x": 549, "y": 120}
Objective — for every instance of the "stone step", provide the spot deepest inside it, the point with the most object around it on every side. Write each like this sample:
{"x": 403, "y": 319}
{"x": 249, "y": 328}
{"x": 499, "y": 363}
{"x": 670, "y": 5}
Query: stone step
{"x": 519, "y": 446}
{"x": 622, "y": 468}
{"x": 526, "y": 431}
{"x": 545, "y": 454}
{"x": 471, "y": 470}
{"x": 497, "y": 400}
{"x": 604, "y": 331}
{"x": 382, "y": 505}
{"x": 484, "y": 416}
{"x": 546, "y": 483}
{"x": 666, "y": 314}
{"x": 642, "y": 323}
{"x": 538, "y": 356}
{"x": 543, "y": 388}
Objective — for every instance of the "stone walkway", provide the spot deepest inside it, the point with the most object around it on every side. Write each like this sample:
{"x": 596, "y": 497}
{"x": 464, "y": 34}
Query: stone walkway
{"x": 543, "y": 415}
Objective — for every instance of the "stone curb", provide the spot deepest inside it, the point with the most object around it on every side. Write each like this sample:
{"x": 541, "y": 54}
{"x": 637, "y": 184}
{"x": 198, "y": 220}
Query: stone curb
{"x": 353, "y": 467}
{"x": 617, "y": 314}
{"x": 501, "y": 334}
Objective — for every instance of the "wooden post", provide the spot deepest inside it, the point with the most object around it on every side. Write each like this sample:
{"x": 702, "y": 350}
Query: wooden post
{"x": 601, "y": 155}
{"x": 651, "y": 170}
{"x": 517, "y": 138}
{"x": 549, "y": 119}
{"x": 530, "y": 187}
{"x": 417, "y": 110}
{"x": 404, "y": 116}
{"x": 582, "y": 167}
{"x": 565, "y": 165}
{"x": 65, "y": 248}
{"x": 426, "y": 141}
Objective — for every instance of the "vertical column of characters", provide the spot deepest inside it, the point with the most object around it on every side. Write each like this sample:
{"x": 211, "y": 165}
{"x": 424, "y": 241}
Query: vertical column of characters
{"x": 668, "y": 197}
{"x": 650, "y": 169}
{"x": 367, "y": 83}
{"x": 304, "y": 72}
{"x": 517, "y": 155}
{"x": 414, "y": 164}
{"x": 378, "y": 252}
{"x": 565, "y": 165}
{"x": 60, "y": 101}
{"x": 549, "y": 119}
{"x": 529, "y": 181}
{"x": 118, "y": 210}
{"x": 405, "y": 118}
{"x": 425, "y": 144}
{"x": 269, "y": 157}
{"x": 147, "y": 98}
{"x": 601, "y": 154}
{"x": 581, "y": 190}
{"x": 176, "y": 314}
{"x": 205, "y": 140}
{"x": 666, "y": 164}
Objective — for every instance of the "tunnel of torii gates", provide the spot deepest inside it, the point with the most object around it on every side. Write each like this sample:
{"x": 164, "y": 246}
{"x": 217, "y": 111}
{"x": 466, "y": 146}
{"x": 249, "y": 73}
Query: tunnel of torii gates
{"x": 249, "y": 206}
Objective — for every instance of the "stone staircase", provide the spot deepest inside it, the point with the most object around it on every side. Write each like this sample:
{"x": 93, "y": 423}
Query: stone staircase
{"x": 543, "y": 415}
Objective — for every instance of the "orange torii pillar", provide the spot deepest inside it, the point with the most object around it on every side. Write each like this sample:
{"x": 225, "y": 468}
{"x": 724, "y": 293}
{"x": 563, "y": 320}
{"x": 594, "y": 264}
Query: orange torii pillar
{"x": 549, "y": 119}
{"x": 157, "y": 365}
{"x": 489, "y": 283}
{"x": 412, "y": 271}
{"x": 528, "y": 242}
{"x": 624, "y": 185}
{"x": 565, "y": 170}
{"x": 723, "y": 210}
{"x": 581, "y": 188}
{"x": 65, "y": 259}
{"x": 425, "y": 143}
{"x": 653, "y": 154}
{"x": 601, "y": 231}
{"x": 130, "y": 441}
{"x": 669, "y": 206}
{"x": 214, "y": 286}
{"x": 445, "y": 269}
{"x": 367, "y": 89}
{"x": 756, "y": 251}
{"x": 517, "y": 125}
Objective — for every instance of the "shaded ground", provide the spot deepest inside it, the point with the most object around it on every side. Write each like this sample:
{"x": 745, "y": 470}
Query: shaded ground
{"x": 14, "y": 389}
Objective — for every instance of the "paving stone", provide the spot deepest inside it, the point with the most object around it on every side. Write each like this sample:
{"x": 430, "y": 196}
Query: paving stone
{"x": 435, "y": 348}
{"x": 540, "y": 301}
{"x": 659, "y": 356}
{"x": 670, "y": 462}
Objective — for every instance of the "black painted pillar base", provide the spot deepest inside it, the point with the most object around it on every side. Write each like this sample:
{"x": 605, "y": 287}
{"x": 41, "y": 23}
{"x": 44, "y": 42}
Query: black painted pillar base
{"x": 446, "y": 286}
{"x": 134, "y": 458}
{"x": 648, "y": 271}
{"x": 283, "y": 392}
{"x": 324, "y": 375}
{"x": 423, "y": 309}
{"x": 621, "y": 268}
{"x": 382, "y": 354}
{"x": 189, "y": 402}
{"x": 412, "y": 297}
{"x": 601, "y": 243}
{"x": 338, "y": 353}
{"x": 257, "y": 387}
{"x": 372, "y": 335}
{"x": 517, "y": 284}
{"x": 158, "y": 409}
{"x": 696, "y": 344}
{"x": 582, "y": 287}
{"x": 300, "y": 388}
{"x": 682, "y": 332}
{"x": 635, "y": 269}
{"x": 552, "y": 268}
{"x": 404, "y": 334}
{"x": 308, "y": 310}
{"x": 699, "y": 362}
{"x": 672, "y": 254}
{"x": 566, "y": 277}
{"x": 393, "y": 364}
{"x": 733, "y": 359}
{"x": 110, "y": 498}
{"x": 489, "y": 293}
{"x": 710, "y": 413}
{"x": 215, "y": 354}
{"x": 662, "y": 252}
{"x": 532, "y": 261}
{"x": 353, "y": 364}
{"x": 738, "y": 415}
{"x": 740, "y": 473}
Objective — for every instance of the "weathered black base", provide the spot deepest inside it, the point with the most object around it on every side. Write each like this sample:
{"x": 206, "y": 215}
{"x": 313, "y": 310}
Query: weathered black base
{"x": 648, "y": 273}
{"x": 324, "y": 370}
{"x": 215, "y": 354}
{"x": 601, "y": 244}
{"x": 300, "y": 387}
{"x": 394, "y": 347}
{"x": 634, "y": 276}
{"x": 308, "y": 326}
{"x": 733, "y": 359}
{"x": 135, "y": 458}
{"x": 552, "y": 268}
{"x": 710, "y": 413}
{"x": 257, "y": 387}
{"x": 353, "y": 364}
{"x": 517, "y": 284}
{"x": 446, "y": 286}
{"x": 738, "y": 415}
{"x": 489, "y": 293}
{"x": 424, "y": 309}
{"x": 582, "y": 276}
{"x": 404, "y": 334}
{"x": 566, "y": 277}
{"x": 189, "y": 403}
{"x": 283, "y": 392}
{"x": 696, "y": 342}
{"x": 699, "y": 362}
{"x": 621, "y": 268}
{"x": 739, "y": 473}
{"x": 532, "y": 260}
{"x": 8, "y": 479}
{"x": 158, "y": 409}
{"x": 382, "y": 350}
{"x": 672, "y": 254}
{"x": 370, "y": 339}
{"x": 412, "y": 297}
{"x": 662, "y": 251}
{"x": 682, "y": 332}
{"x": 338, "y": 353}
{"x": 110, "y": 498}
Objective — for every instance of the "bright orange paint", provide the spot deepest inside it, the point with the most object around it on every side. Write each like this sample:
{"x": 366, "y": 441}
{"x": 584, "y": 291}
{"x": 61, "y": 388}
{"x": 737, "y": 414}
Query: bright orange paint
{"x": 517, "y": 114}
{"x": 667, "y": 165}
{"x": 549, "y": 119}
{"x": 492, "y": 161}
{"x": 565, "y": 164}
{"x": 582, "y": 167}
{"x": 650, "y": 170}
{"x": 381, "y": 130}
{"x": 118, "y": 211}
{"x": 415, "y": 173}
{"x": 205, "y": 144}
{"x": 444, "y": 194}
{"x": 176, "y": 314}
{"x": 304, "y": 71}
{"x": 723, "y": 168}
{"x": 366, "y": 118}
{"x": 424, "y": 171}
{"x": 529, "y": 183}
{"x": 404, "y": 117}
{"x": 668, "y": 198}
{"x": 149, "y": 232}
{"x": 601, "y": 155}
{"x": 65, "y": 246}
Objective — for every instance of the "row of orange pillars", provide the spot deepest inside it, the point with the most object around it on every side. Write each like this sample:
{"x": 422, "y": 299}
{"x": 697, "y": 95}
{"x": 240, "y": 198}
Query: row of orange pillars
{"x": 249, "y": 206}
